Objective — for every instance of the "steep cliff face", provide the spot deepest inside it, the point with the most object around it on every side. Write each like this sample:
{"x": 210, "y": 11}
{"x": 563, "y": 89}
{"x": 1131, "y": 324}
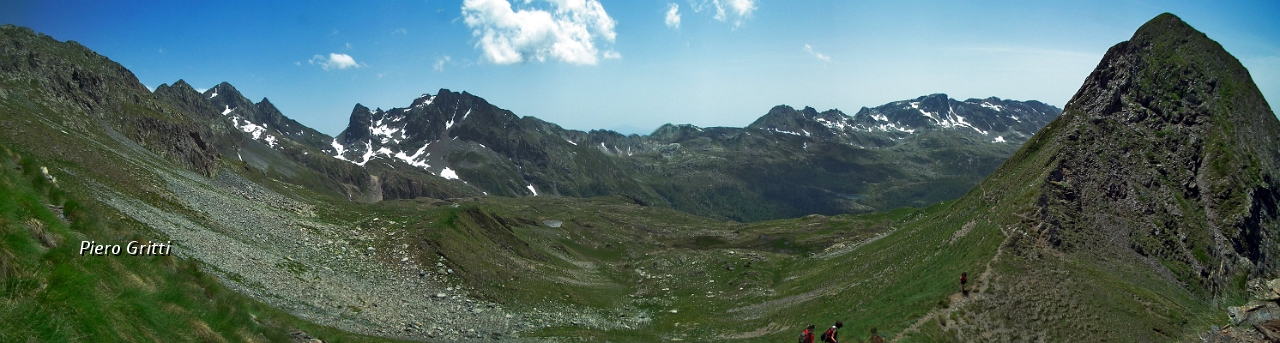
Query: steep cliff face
{"x": 1169, "y": 150}
{"x": 87, "y": 89}
{"x": 1144, "y": 209}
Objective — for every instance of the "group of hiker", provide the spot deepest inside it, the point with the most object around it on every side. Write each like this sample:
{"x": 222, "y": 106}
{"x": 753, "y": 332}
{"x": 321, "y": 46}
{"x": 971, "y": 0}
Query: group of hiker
{"x": 833, "y": 333}
{"x": 831, "y": 336}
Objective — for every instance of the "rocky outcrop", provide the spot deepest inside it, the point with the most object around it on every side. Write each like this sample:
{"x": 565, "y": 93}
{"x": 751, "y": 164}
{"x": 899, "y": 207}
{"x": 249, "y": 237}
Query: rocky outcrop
{"x": 1256, "y": 321}
{"x": 1170, "y": 151}
{"x": 80, "y": 83}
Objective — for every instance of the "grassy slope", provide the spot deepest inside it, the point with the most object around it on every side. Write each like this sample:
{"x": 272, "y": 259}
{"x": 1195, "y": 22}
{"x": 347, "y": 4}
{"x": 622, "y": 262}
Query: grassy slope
{"x": 52, "y": 294}
{"x": 783, "y": 279}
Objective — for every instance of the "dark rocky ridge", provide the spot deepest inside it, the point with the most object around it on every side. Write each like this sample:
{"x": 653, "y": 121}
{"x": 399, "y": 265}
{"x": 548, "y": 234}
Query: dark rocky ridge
{"x": 263, "y": 112}
{"x": 1186, "y": 129}
{"x": 1149, "y": 203}
{"x": 73, "y": 79}
{"x": 880, "y": 126}
{"x": 263, "y": 138}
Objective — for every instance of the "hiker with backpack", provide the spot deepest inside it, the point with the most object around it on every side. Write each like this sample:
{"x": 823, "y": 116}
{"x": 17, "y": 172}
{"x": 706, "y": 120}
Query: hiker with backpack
{"x": 964, "y": 278}
{"x": 830, "y": 335}
{"x": 806, "y": 336}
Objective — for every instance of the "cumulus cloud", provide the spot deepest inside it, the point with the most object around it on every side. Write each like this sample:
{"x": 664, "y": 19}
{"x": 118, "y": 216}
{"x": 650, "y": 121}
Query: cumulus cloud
{"x": 566, "y": 31}
{"x": 819, "y": 55}
{"x": 334, "y": 61}
{"x": 673, "y": 16}
{"x": 739, "y": 10}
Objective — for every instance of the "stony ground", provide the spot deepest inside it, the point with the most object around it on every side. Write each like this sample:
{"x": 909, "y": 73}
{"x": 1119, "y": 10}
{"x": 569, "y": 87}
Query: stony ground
{"x": 273, "y": 248}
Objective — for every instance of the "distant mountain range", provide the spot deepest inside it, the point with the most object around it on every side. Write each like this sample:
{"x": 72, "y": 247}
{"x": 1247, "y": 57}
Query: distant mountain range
{"x": 787, "y": 163}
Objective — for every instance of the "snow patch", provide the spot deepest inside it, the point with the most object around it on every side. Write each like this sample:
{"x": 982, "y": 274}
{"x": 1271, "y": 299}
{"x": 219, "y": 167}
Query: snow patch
{"x": 784, "y": 131}
{"x": 250, "y": 128}
{"x": 339, "y": 149}
{"x": 571, "y": 142}
{"x": 215, "y": 94}
{"x": 368, "y": 153}
{"x": 834, "y": 126}
{"x": 430, "y": 99}
{"x": 226, "y": 111}
{"x": 449, "y": 174}
{"x": 413, "y": 160}
{"x": 999, "y": 139}
{"x": 534, "y": 191}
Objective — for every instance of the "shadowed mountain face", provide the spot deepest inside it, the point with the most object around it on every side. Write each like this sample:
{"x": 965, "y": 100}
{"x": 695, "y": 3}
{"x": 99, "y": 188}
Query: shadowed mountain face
{"x": 1149, "y": 202}
{"x": 39, "y": 72}
{"x": 1170, "y": 151}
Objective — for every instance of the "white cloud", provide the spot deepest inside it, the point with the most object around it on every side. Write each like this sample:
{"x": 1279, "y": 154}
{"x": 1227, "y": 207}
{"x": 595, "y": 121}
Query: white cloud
{"x": 819, "y": 55}
{"x": 740, "y": 10}
{"x": 612, "y": 55}
{"x": 567, "y": 31}
{"x": 348, "y": 45}
{"x": 201, "y": 90}
{"x": 439, "y": 66}
{"x": 334, "y": 61}
{"x": 673, "y": 16}
{"x": 400, "y": 31}
{"x": 743, "y": 7}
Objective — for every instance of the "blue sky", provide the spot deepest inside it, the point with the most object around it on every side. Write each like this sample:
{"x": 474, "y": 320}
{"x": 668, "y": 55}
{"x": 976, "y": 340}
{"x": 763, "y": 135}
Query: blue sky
{"x": 631, "y": 65}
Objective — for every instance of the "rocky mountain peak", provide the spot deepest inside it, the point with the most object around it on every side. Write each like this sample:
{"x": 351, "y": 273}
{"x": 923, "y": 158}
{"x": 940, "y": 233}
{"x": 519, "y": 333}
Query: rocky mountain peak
{"x": 1181, "y": 126}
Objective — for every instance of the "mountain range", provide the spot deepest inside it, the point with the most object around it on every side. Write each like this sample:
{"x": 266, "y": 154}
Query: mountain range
{"x": 1144, "y": 211}
{"x": 788, "y": 163}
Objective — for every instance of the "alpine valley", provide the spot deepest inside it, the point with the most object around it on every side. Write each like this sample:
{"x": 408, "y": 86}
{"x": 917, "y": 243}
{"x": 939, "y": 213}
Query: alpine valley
{"x": 1145, "y": 210}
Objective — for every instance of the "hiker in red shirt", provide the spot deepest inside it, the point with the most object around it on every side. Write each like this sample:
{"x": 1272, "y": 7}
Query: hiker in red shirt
{"x": 964, "y": 277}
{"x": 807, "y": 335}
{"x": 830, "y": 335}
